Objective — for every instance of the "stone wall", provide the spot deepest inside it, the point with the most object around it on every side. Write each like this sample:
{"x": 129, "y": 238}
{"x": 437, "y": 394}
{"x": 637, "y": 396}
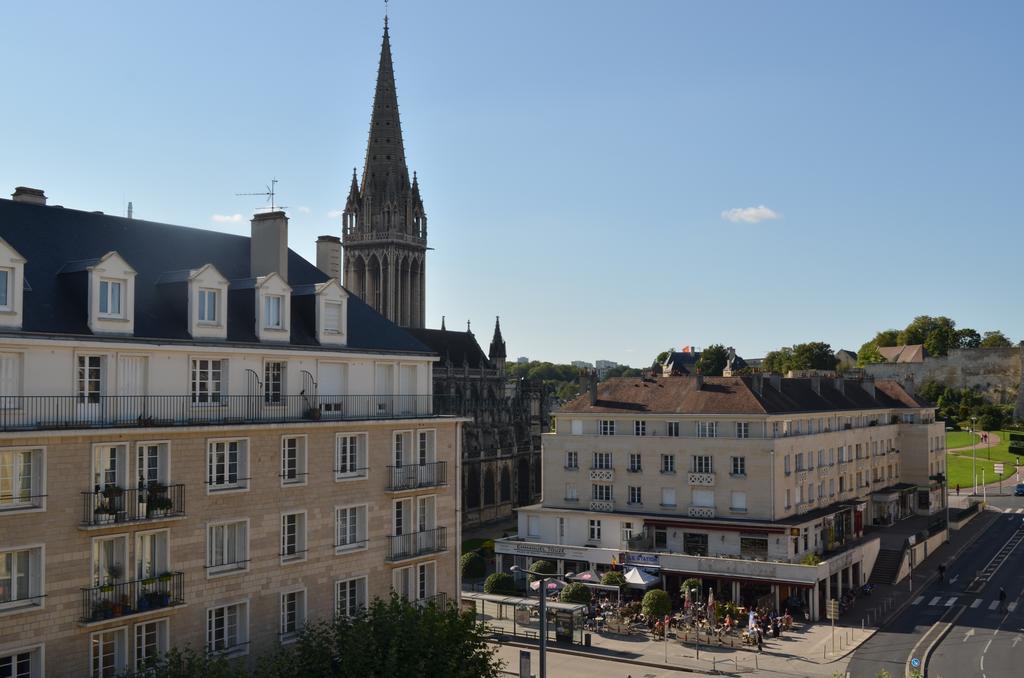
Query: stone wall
{"x": 994, "y": 372}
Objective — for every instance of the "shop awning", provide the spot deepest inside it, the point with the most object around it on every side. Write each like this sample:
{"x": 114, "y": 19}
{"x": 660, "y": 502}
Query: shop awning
{"x": 588, "y": 576}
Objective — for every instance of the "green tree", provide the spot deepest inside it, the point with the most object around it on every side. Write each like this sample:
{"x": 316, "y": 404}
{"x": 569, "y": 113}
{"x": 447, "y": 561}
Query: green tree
{"x": 613, "y": 578}
{"x": 656, "y": 603}
{"x": 186, "y": 662}
{"x": 938, "y": 334}
{"x": 995, "y": 339}
{"x": 473, "y": 565}
{"x": 390, "y": 638}
{"x": 500, "y": 582}
{"x": 967, "y": 338}
{"x": 931, "y": 391}
{"x": 661, "y": 357}
{"x": 991, "y": 418}
{"x": 777, "y": 361}
{"x": 815, "y": 355}
{"x": 712, "y": 360}
{"x": 575, "y": 593}
{"x": 542, "y": 567}
{"x": 622, "y": 371}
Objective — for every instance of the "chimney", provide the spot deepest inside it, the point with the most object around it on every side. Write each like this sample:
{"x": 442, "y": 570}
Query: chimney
{"x": 816, "y": 383}
{"x": 869, "y": 386}
{"x": 328, "y": 256}
{"x": 268, "y": 246}
{"x": 776, "y": 381}
{"x": 757, "y": 383}
{"x": 700, "y": 380}
{"x": 840, "y": 384}
{"x": 33, "y": 196}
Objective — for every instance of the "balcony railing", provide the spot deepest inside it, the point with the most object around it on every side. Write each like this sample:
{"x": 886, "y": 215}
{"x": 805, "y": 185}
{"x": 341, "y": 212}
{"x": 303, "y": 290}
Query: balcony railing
{"x": 415, "y": 476}
{"x": 440, "y": 600}
{"x": 132, "y": 597}
{"x": 44, "y": 412}
{"x": 700, "y": 478}
{"x": 116, "y": 505}
{"x": 402, "y": 546}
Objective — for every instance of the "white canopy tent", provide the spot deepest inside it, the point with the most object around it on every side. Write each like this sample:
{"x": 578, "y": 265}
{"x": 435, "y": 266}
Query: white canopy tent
{"x": 637, "y": 578}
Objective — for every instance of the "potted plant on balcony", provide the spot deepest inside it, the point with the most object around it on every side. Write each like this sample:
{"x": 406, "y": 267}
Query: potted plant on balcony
{"x": 102, "y": 609}
{"x": 312, "y": 413}
{"x": 159, "y": 505}
{"x": 112, "y": 491}
{"x": 103, "y": 514}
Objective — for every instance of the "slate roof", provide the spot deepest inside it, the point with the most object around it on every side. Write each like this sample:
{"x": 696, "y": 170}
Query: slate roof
{"x": 59, "y": 244}
{"x": 453, "y": 347}
{"x": 738, "y": 395}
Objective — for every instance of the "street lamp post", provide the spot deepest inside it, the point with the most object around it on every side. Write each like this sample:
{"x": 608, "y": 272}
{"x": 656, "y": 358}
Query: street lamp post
{"x": 974, "y": 456}
{"x": 515, "y": 569}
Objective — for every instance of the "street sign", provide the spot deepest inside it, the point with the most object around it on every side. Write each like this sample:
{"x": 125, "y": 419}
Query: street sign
{"x": 998, "y": 467}
{"x": 915, "y": 662}
{"x": 832, "y": 609}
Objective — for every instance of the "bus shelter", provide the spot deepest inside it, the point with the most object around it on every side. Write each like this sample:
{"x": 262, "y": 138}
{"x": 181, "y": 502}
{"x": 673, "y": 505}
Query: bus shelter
{"x": 520, "y": 616}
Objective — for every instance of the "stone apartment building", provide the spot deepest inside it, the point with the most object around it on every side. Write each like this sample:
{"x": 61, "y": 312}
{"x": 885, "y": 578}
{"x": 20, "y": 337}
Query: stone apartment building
{"x": 734, "y": 480}
{"x": 205, "y": 441}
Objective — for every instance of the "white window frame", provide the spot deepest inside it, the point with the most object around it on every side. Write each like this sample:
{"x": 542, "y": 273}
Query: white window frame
{"x": 572, "y": 459}
{"x": 738, "y": 466}
{"x": 635, "y": 462}
{"x": 673, "y": 429}
{"x": 11, "y": 386}
{"x": 675, "y": 497}
{"x": 163, "y": 639}
{"x": 227, "y": 568}
{"x": 301, "y": 474}
{"x": 639, "y": 427}
{"x": 360, "y": 471}
{"x": 242, "y": 479}
{"x": 636, "y": 495}
{"x": 36, "y": 580}
{"x": 300, "y": 614}
{"x": 109, "y": 285}
{"x": 361, "y": 541}
{"x": 668, "y": 463}
{"x": 37, "y": 658}
{"x": 703, "y": 463}
{"x": 120, "y": 663}
{"x": 570, "y": 492}
{"x": 269, "y": 314}
{"x": 707, "y": 429}
{"x": 601, "y": 491}
{"x": 6, "y": 302}
{"x": 742, "y": 429}
{"x": 602, "y": 461}
{"x": 606, "y": 427}
{"x": 346, "y": 583}
{"x": 84, "y": 392}
{"x": 201, "y": 373}
{"x": 275, "y": 382}
{"x": 626, "y": 526}
{"x": 337, "y": 328}
{"x": 137, "y": 554}
{"x": 594, "y": 530}
{"x": 241, "y": 646}
{"x": 207, "y": 299}
{"x": 301, "y": 529}
{"x": 36, "y": 499}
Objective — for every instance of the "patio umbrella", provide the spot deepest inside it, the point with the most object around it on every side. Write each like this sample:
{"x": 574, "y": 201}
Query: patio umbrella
{"x": 711, "y": 607}
{"x": 552, "y": 585}
{"x": 587, "y": 576}
{"x": 637, "y": 578}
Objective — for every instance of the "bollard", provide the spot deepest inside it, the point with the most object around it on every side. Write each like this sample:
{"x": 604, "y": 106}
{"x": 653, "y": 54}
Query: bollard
{"x": 824, "y": 651}
{"x": 755, "y": 663}
{"x": 714, "y": 668}
{"x": 736, "y": 662}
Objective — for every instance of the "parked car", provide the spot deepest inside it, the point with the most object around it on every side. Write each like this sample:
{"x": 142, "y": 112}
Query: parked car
{"x": 1019, "y": 491}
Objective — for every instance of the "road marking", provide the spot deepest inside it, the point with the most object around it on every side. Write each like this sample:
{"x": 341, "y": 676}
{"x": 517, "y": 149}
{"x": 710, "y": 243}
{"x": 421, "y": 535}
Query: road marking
{"x": 949, "y": 603}
{"x": 987, "y": 645}
{"x": 917, "y": 600}
{"x": 981, "y": 662}
{"x": 934, "y": 600}
{"x": 969, "y": 632}
{"x": 976, "y": 603}
{"x": 992, "y": 605}
{"x": 953, "y": 580}
{"x": 1020, "y": 510}
{"x": 1012, "y": 606}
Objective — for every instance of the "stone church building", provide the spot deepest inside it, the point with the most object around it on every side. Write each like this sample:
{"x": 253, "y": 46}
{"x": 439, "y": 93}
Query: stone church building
{"x": 384, "y": 235}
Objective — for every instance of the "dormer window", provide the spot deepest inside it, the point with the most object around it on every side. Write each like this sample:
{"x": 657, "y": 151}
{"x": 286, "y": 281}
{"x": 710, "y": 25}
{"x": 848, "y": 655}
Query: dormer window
{"x": 332, "y": 317}
{"x": 207, "y": 306}
{"x": 111, "y": 298}
{"x": 331, "y": 313}
{"x": 6, "y": 275}
{"x": 272, "y": 304}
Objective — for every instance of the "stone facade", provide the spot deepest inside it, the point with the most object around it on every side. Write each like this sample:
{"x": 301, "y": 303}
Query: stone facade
{"x": 996, "y": 373}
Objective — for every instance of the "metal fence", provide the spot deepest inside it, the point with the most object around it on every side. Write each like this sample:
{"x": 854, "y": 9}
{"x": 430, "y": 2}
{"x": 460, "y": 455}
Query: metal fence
{"x": 117, "y": 505}
{"x": 413, "y": 476}
{"x": 108, "y": 601}
{"x": 414, "y": 544}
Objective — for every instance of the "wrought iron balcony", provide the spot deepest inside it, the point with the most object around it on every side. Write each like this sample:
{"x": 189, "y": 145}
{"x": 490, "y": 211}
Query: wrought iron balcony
{"x": 121, "y": 599}
{"x": 113, "y": 504}
{"x": 46, "y": 412}
{"x": 402, "y": 546}
{"x": 415, "y": 476}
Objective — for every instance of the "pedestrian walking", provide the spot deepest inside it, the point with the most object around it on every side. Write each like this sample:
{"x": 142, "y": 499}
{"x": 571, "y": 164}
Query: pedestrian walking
{"x": 942, "y": 574}
{"x": 1002, "y": 599}
{"x": 958, "y": 489}
{"x": 760, "y": 639}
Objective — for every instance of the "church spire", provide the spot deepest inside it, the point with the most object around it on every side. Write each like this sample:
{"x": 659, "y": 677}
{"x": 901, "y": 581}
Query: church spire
{"x": 385, "y": 151}
{"x": 497, "y": 352}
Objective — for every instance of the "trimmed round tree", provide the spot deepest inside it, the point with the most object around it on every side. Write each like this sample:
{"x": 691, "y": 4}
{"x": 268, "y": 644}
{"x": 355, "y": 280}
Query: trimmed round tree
{"x": 613, "y": 578}
{"x": 656, "y": 603}
{"x": 575, "y": 593}
{"x": 500, "y": 582}
{"x": 473, "y": 565}
{"x": 689, "y": 585}
{"x": 542, "y": 567}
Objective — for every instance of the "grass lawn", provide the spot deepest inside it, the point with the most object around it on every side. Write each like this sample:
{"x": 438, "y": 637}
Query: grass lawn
{"x": 955, "y": 439}
{"x": 959, "y": 470}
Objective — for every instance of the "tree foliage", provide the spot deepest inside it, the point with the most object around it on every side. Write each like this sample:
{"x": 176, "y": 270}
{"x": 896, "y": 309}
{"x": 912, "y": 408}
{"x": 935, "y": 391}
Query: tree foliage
{"x": 613, "y": 578}
{"x": 995, "y": 339}
{"x": 390, "y": 638}
{"x": 689, "y": 585}
{"x": 542, "y": 567}
{"x": 868, "y": 352}
{"x": 814, "y": 355}
{"x": 656, "y": 603}
{"x": 575, "y": 593}
{"x": 500, "y": 582}
{"x": 473, "y": 565}
{"x": 712, "y": 360}
{"x": 622, "y": 371}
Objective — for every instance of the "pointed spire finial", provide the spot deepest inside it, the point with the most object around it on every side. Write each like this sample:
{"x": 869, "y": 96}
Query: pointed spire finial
{"x": 467, "y": 326}
{"x": 443, "y": 328}
{"x": 385, "y": 15}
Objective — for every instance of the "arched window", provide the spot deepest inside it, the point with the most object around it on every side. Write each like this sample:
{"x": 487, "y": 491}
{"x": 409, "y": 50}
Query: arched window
{"x": 506, "y": 485}
{"x": 489, "y": 487}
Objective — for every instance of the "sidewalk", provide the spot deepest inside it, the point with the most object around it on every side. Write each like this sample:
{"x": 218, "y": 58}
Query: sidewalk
{"x": 805, "y": 651}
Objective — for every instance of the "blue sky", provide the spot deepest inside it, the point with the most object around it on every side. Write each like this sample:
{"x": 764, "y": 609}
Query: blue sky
{"x": 578, "y": 160}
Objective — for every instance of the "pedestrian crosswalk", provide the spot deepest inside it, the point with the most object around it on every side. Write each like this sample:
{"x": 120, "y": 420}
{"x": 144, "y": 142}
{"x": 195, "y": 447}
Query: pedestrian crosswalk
{"x": 943, "y": 601}
{"x": 1010, "y": 510}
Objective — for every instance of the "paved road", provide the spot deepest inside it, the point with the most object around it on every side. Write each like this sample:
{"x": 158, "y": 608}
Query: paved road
{"x": 984, "y": 641}
{"x": 889, "y": 647}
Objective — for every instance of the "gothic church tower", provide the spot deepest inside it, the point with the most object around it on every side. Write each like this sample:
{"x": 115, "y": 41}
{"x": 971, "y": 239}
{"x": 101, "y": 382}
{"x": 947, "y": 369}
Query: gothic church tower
{"x": 384, "y": 227}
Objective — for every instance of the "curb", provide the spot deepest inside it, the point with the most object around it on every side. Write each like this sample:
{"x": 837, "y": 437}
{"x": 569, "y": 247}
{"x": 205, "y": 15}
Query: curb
{"x": 612, "y": 658}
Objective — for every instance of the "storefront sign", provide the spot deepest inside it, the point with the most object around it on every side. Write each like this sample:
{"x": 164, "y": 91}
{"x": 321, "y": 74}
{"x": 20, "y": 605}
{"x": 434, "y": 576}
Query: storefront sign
{"x": 643, "y": 559}
{"x": 535, "y": 549}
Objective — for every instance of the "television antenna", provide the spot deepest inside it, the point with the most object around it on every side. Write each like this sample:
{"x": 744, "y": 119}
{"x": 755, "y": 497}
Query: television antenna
{"x": 270, "y": 194}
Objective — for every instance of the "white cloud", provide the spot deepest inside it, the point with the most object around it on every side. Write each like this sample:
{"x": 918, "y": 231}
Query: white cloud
{"x": 227, "y": 218}
{"x": 750, "y": 215}
{"x": 304, "y": 209}
{"x": 334, "y": 214}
